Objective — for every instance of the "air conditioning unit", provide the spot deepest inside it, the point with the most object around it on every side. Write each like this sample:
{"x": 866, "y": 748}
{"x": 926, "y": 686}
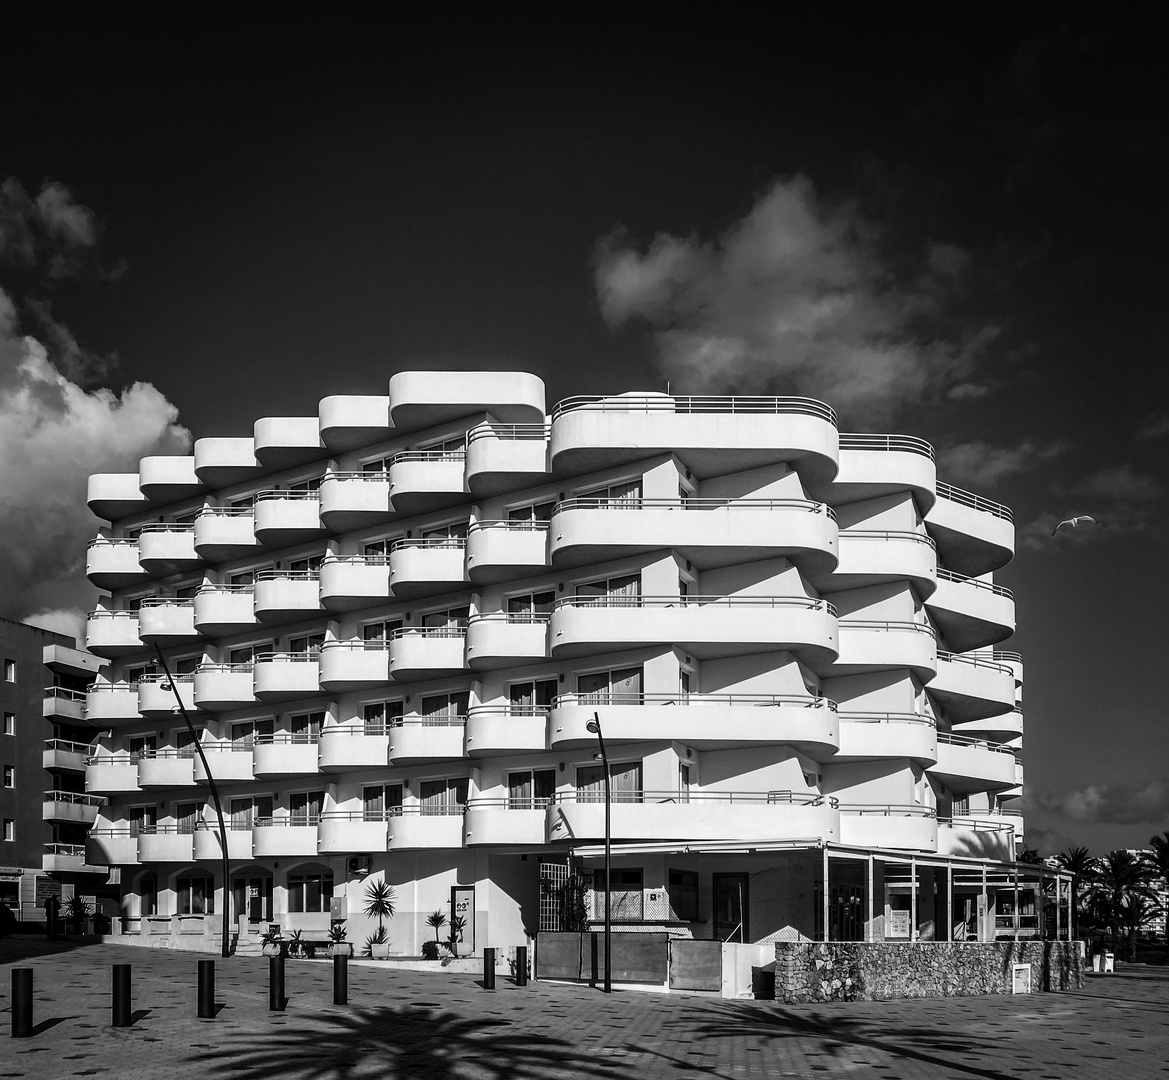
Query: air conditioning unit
{"x": 359, "y": 865}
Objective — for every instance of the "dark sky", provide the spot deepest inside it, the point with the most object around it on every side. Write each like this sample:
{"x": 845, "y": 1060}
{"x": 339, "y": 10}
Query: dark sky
{"x": 292, "y": 206}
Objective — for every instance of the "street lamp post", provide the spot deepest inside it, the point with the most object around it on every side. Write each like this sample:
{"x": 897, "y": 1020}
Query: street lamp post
{"x": 594, "y": 726}
{"x": 226, "y": 945}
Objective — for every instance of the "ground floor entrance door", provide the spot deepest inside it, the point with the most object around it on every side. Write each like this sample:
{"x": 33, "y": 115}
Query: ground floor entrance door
{"x": 731, "y": 907}
{"x": 252, "y": 896}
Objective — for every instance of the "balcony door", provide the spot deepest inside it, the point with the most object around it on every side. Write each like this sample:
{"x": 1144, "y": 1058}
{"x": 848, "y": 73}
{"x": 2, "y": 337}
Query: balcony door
{"x": 442, "y": 796}
{"x": 731, "y": 900}
{"x": 621, "y": 686}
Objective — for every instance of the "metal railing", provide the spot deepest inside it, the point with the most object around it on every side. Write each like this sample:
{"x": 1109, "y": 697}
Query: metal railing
{"x": 509, "y": 617}
{"x": 509, "y": 710}
{"x": 1007, "y": 656}
{"x": 296, "y": 496}
{"x": 428, "y": 456}
{"x": 229, "y": 669}
{"x": 886, "y": 718}
{"x": 74, "y": 851}
{"x": 888, "y": 534}
{"x": 889, "y": 625}
{"x": 998, "y": 590}
{"x": 167, "y": 830}
{"x": 757, "y": 701}
{"x": 386, "y": 814}
{"x": 287, "y": 821}
{"x": 530, "y": 432}
{"x": 449, "y": 542}
{"x": 357, "y": 645}
{"x": 975, "y": 502}
{"x": 356, "y": 560}
{"x": 981, "y": 744}
{"x": 979, "y": 824}
{"x": 627, "y": 403}
{"x": 288, "y": 575}
{"x": 167, "y": 527}
{"x": 106, "y": 613}
{"x": 215, "y": 590}
{"x": 167, "y": 602}
{"x": 509, "y": 803}
{"x": 75, "y": 798}
{"x": 227, "y": 511}
{"x": 64, "y": 694}
{"x": 708, "y": 505}
{"x": 889, "y": 443}
{"x": 164, "y": 753}
{"x": 974, "y": 661}
{"x": 379, "y": 476}
{"x": 308, "y": 656}
{"x": 713, "y": 600}
{"x": 161, "y": 680}
{"x": 67, "y": 747}
{"x": 113, "y": 541}
{"x": 429, "y": 631}
{"x": 887, "y": 810}
{"x": 288, "y": 738}
{"x": 508, "y": 525}
{"x": 767, "y": 798}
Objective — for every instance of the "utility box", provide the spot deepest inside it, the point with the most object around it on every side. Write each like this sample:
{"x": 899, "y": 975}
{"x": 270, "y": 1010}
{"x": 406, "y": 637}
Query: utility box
{"x": 1020, "y": 978}
{"x": 338, "y": 908}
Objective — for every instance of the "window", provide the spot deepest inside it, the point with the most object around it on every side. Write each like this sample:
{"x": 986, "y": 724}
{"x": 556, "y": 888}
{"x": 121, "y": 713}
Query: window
{"x": 961, "y": 806}
{"x": 381, "y": 801}
{"x": 10, "y": 776}
{"x": 530, "y": 607}
{"x": 683, "y": 783}
{"x": 310, "y": 564}
{"x": 451, "y": 530}
{"x": 188, "y": 592}
{"x": 308, "y": 645}
{"x": 379, "y": 715}
{"x": 185, "y": 742}
{"x": 247, "y": 811}
{"x": 187, "y": 665}
{"x": 380, "y": 548}
{"x": 377, "y": 465}
{"x": 682, "y": 890}
{"x": 380, "y": 631}
{"x": 141, "y": 746}
{"x": 142, "y": 819}
{"x": 310, "y": 892}
{"x": 186, "y": 816}
{"x": 9, "y": 830}
{"x": 245, "y": 577}
{"x": 620, "y": 686}
{"x": 9, "y": 723}
{"x": 9, "y": 670}
{"x": 450, "y": 449}
{"x": 196, "y": 895}
{"x": 536, "y": 512}
{"x": 442, "y": 796}
{"x": 530, "y": 789}
{"x": 311, "y": 484}
{"x": 245, "y": 654}
{"x": 534, "y": 694}
{"x": 625, "y": 896}
{"x": 453, "y": 619}
{"x": 138, "y": 671}
{"x": 242, "y": 502}
{"x": 624, "y": 781}
{"x": 304, "y": 807}
{"x": 623, "y": 492}
{"x": 305, "y": 727}
{"x": 245, "y": 733}
{"x": 684, "y": 682}
{"x": 614, "y": 591}
{"x": 439, "y": 709}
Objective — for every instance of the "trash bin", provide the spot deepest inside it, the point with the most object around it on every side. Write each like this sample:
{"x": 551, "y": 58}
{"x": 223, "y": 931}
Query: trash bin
{"x": 1109, "y": 963}
{"x": 1097, "y": 962}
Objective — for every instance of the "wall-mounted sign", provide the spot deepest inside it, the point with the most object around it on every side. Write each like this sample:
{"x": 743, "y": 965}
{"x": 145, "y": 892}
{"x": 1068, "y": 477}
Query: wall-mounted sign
{"x": 463, "y": 906}
{"x": 899, "y": 924}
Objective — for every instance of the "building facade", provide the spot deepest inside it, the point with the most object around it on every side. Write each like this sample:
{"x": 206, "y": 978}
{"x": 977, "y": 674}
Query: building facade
{"x": 393, "y": 622}
{"x": 45, "y": 739}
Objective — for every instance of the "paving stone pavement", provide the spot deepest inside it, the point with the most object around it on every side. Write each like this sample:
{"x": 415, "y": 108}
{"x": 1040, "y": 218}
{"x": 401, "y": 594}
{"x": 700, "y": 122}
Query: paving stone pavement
{"x": 439, "y": 1025}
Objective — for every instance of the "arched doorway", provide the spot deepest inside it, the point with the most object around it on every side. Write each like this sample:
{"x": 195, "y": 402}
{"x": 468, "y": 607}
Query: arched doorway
{"x": 251, "y": 894}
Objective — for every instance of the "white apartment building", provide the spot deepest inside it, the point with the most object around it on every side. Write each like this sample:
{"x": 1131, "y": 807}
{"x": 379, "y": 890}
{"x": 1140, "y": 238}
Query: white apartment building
{"x": 394, "y": 620}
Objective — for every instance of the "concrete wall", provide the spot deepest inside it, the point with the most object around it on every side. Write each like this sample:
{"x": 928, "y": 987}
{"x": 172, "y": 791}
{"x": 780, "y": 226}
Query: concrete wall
{"x": 854, "y": 971}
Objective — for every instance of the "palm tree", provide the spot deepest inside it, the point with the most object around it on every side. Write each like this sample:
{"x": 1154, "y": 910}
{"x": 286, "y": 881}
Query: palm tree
{"x": 1081, "y": 865}
{"x": 1158, "y": 862}
{"x": 1138, "y": 910}
{"x": 380, "y": 901}
{"x": 437, "y": 920}
{"x": 1120, "y": 878}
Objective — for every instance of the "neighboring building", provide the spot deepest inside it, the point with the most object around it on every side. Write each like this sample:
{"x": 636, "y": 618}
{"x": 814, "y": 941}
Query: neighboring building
{"x": 394, "y": 621}
{"x": 45, "y": 812}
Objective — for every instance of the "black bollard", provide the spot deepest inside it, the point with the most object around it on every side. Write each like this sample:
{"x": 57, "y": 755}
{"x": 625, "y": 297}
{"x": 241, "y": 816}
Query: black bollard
{"x": 340, "y": 979}
{"x": 21, "y": 1003}
{"x": 206, "y": 989}
{"x": 276, "y": 984}
{"x": 488, "y": 969}
{"x": 521, "y": 965}
{"x": 121, "y": 1013}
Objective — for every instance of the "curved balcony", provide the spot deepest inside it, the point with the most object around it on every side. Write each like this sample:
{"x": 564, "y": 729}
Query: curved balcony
{"x": 111, "y": 774}
{"x": 353, "y": 500}
{"x": 350, "y": 582}
{"x": 166, "y": 620}
{"x": 873, "y": 465}
{"x": 710, "y": 435}
{"x": 224, "y": 686}
{"x": 424, "y": 566}
{"x": 972, "y": 687}
{"x": 573, "y": 817}
{"x": 426, "y": 652}
{"x": 168, "y": 479}
{"x": 209, "y": 846}
{"x": 166, "y": 548}
{"x": 227, "y": 761}
{"x": 61, "y": 755}
{"x": 349, "y": 421}
{"x": 706, "y": 532}
{"x": 155, "y": 697}
{"x": 506, "y": 729}
{"x": 424, "y": 480}
{"x": 342, "y": 832}
{"x": 114, "y": 495}
{"x": 981, "y": 835}
{"x": 283, "y": 442}
{"x": 1013, "y": 660}
{"x": 68, "y": 859}
{"x": 421, "y": 399}
{"x": 875, "y": 736}
{"x": 505, "y": 457}
{"x": 71, "y": 807}
{"x": 62, "y": 704}
{"x": 968, "y": 765}
{"x": 281, "y": 676}
{"x": 708, "y": 626}
{"x": 275, "y": 756}
{"x": 287, "y": 517}
{"x": 1002, "y": 728}
{"x": 112, "y": 633}
{"x": 225, "y": 532}
{"x": 974, "y": 535}
{"x": 897, "y": 828}
{"x": 286, "y": 595}
{"x": 423, "y": 828}
{"x": 109, "y": 704}
{"x": 501, "y": 550}
{"x": 111, "y": 846}
{"x": 873, "y": 557}
{"x": 417, "y": 740}
{"x": 166, "y": 844}
{"x": 504, "y": 639}
{"x": 971, "y": 614}
{"x": 224, "y": 609}
{"x": 113, "y": 563}
{"x": 353, "y": 746}
{"x": 704, "y": 721}
{"x": 283, "y": 836}
{"x": 879, "y": 645}
{"x": 167, "y": 768}
{"x": 505, "y": 821}
{"x": 221, "y": 462}
{"x": 354, "y": 665}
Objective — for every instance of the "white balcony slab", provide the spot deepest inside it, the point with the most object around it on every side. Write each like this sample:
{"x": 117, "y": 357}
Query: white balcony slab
{"x": 220, "y": 462}
{"x": 167, "y": 622}
{"x": 966, "y": 766}
{"x": 225, "y": 533}
{"x": 284, "y": 518}
{"x": 286, "y": 596}
{"x": 224, "y": 686}
{"x": 155, "y": 697}
{"x": 166, "y": 770}
{"x": 168, "y": 549}
{"x": 224, "y": 609}
{"x": 897, "y": 828}
{"x": 209, "y": 845}
{"x": 974, "y": 535}
{"x": 874, "y": 465}
{"x": 421, "y": 399}
{"x": 877, "y": 645}
{"x": 282, "y": 442}
{"x": 342, "y": 832}
{"x": 354, "y": 665}
{"x": 111, "y": 704}
{"x": 111, "y": 847}
{"x": 282, "y": 676}
{"x": 426, "y": 566}
{"x": 503, "y": 550}
{"x": 504, "y": 457}
{"x": 971, "y": 614}
{"x": 500, "y": 822}
{"x": 111, "y": 774}
{"x": 112, "y": 633}
{"x": 113, "y": 563}
{"x": 872, "y": 736}
{"x": 874, "y": 557}
{"x": 169, "y": 478}
{"x": 343, "y": 748}
{"x": 426, "y": 653}
{"x": 166, "y": 846}
{"x": 114, "y": 496}
{"x": 283, "y": 756}
{"x": 424, "y": 832}
{"x": 228, "y": 762}
{"x": 972, "y": 687}
{"x": 282, "y": 839}
{"x": 351, "y": 582}
{"x": 350, "y": 421}
{"x": 499, "y": 730}
{"x": 503, "y": 640}
{"x": 354, "y": 500}
{"x": 421, "y": 481}
{"x": 416, "y": 742}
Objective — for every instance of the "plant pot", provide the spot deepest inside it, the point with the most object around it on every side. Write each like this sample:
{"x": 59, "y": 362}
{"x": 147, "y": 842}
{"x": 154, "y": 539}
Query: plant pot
{"x": 343, "y": 948}
{"x": 270, "y": 950}
{"x": 380, "y": 952}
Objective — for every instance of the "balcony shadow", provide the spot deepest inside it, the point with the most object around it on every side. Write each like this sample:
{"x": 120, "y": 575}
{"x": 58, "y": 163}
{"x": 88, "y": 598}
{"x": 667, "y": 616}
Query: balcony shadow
{"x": 412, "y": 1040}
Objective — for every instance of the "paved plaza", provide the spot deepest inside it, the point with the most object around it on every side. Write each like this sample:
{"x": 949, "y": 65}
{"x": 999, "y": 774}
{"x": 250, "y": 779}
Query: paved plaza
{"x": 439, "y": 1025}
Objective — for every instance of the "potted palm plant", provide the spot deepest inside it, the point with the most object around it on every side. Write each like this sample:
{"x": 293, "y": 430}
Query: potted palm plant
{"x": 379, "y": 904}
{"x": 338, "y": 946}
{"x": 271, "y": 941}
{"x": 437, "y": 920}
{"x": 458, "y": 925}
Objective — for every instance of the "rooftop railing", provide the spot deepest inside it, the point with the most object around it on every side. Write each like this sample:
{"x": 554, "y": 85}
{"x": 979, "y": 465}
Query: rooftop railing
{"x": 626, "y": 403}
{"x": 908, "y": 444}
{"x": 975, "y": 502}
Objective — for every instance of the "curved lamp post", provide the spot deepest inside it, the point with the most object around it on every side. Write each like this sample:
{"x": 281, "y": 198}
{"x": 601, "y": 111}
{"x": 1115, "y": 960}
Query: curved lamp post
{"x": 594, "y": 726}
{"x": 226, "y": 947}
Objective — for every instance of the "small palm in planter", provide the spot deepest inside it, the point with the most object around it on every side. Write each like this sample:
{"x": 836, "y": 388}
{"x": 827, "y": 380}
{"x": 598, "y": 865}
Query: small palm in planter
{"x": 272, "y": 941}
{"x": 458, "y": 925}
{"x": 338, "y": 946}
{"x": 380, "y": 901}
{"x": 377, "y": 945}
{"x": 76, "y": 912}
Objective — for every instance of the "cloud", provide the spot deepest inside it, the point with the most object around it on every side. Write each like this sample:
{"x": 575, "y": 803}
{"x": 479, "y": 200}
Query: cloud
{"x": 1121, "y": 804}
{"x": 1154, "y": 426}
{"x": 70, "y": 621}
{"x": 797, "y": 297}
{"x": 52, "y": 232}
{"x": 982, "y": 465}
{"x": 53, "y": 434}
{"x": 1119, "y": 483}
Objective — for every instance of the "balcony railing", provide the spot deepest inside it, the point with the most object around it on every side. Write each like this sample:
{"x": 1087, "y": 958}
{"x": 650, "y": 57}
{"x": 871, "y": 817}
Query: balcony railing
{"x": 508, "y": 803}
{"x": 167, "y": 527}
{"x": 638, "y": 601}
{"x": 887, "y": 810}
{"x": 889, "y": 534}
{"x": 627, "y": 403}
{"x": 428, "y": 455}
{"x": 73, "y": 851}
{"x": 62, "y": 694}
{"x": 981, "y": 744}
{"x": 388, "y": 814}
{"x": 263, "y": 496}
{"x": 792, "y": 798}
{"x": 1007, "y": 656}
{"x": 426, "y": 631}
{"x": 75, "y": 798}
{"x": 908, "y": 444}
{"x": 167, "y": 753}
{"x": 287, "y": 575}
{"x": 431, "y": 542}
{"x": 538, "y": 432}
{"x": 66, "y": 747}
{"x": 288, "y": 738}
{"x": 892, "y": 625}
{"x": 886, "y": 718}
{"x": 698, "y": 700}
{"x": 708, "y": 505}
{"x": 975, "y": 661}
{"x": 976, "y": 502}
{"x": 286, "y": 821}
{"x": 998, "y": 590}
{"x": 518, "y": 526}
{"x": 227, "y": 511}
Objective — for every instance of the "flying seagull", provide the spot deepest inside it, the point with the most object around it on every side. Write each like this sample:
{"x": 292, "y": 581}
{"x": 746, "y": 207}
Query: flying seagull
{"x": 1075, "y": 521}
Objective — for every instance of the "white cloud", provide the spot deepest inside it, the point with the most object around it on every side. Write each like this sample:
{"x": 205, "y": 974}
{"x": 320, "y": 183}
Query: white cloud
{"x": 982, "y": 465}
{"x": 1124, "y": 804}
{"x": 1154, "y": 426}
{"x": 1119, "y": 483}
{"x": 794, "y": 298}
{"x": 70, "y": 621}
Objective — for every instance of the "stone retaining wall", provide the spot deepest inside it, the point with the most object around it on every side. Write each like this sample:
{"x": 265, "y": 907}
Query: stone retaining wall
{"x": 864, "y": 971}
